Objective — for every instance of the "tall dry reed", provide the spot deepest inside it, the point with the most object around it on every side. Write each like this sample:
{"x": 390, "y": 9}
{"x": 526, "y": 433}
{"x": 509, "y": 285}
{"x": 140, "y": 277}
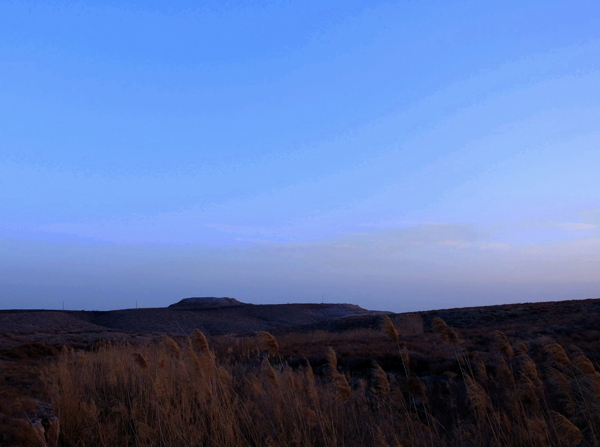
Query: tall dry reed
{"x": 185, "y": 394}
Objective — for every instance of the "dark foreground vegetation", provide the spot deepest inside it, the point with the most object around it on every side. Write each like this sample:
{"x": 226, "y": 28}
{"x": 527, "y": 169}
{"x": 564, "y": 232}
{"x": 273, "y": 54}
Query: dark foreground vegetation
{"x": 408, "y": 380}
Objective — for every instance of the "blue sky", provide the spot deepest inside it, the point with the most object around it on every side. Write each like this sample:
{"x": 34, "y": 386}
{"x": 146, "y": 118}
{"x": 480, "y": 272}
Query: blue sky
{"x": 397, "y": 155}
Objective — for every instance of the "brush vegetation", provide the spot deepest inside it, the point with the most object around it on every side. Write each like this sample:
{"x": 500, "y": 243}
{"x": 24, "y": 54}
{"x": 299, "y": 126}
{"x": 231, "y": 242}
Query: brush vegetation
{"x": 361, "y": 388}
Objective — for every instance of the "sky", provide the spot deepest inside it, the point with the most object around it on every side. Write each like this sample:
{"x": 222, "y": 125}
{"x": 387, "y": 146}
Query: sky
{"x": 399, "y": 155}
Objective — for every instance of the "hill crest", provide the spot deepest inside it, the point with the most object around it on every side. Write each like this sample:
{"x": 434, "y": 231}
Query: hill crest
{"x": 207, "y": 302}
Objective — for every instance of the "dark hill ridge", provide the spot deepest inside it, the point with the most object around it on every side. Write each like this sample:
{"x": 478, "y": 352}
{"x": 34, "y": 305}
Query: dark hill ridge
{"x": 214, "y": 320}
{"x": 208, "y": 302}
{"x": 213, "y": 316}
{"x": 579, "y": 318}
{"x": 582, "y": 313}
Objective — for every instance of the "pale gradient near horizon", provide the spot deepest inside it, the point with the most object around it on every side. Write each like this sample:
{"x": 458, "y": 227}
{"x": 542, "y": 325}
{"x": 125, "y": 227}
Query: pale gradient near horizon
{"x": 396, "y": 155}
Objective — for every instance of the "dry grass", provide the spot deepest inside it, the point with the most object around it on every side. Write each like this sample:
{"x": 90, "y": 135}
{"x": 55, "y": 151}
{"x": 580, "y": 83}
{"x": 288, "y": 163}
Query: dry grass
{"x": 268, "y": 342}
{"x": 243, "y": 392}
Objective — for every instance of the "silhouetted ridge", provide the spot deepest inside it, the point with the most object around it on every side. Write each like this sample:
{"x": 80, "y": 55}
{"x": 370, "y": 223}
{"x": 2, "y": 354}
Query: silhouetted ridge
{"x": 208, "y": 302}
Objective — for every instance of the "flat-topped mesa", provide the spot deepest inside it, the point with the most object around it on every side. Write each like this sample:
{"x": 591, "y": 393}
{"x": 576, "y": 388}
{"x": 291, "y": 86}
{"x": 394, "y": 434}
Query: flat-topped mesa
{"x": 208, "y": 302}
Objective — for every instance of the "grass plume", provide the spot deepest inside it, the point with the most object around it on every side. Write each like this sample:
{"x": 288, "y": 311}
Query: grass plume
{"x": 227, "y": 396}
{"x": 268, "y": 342}
{"x": 388, "y": 328}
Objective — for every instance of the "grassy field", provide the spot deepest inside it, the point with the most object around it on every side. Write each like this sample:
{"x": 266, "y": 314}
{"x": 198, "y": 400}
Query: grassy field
{"x": 394, "y": 385}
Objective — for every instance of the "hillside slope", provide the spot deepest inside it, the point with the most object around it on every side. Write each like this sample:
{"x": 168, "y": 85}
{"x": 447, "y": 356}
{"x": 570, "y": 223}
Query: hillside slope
{"x": 223, "y": 320}
{"x": 52, "y": 326}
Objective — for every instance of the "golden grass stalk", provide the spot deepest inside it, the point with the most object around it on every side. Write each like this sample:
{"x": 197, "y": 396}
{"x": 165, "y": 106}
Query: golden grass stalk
{"x": 342, "y": 389}
{"x": 310, "y": 416}
{"x": 207, "y": 366}
{"x": 521, "y": 347}
{"x": 381, "y": 383}
{"x": 555, "y": 352}
{"x": 527, "y": 395}
{"x": 308, "y": 371}
{"x": 199, "y": 341}
{"x": 560, "y": 385}
{"x": 172, "y": 346}
{"x": 536, "y": 432}
{"x": 388, "y": 327}
{"x": 341, "y": 386}
{"x": 332, "y": 359}
{"x": 584, "y": 365}
{"x": 268, "y": 342}
{"x": 203, "y": 364}
{"x": 568, "y": 433}
{"x": 479, "y": 369}
{"x": 257, "y": 387}
{"x": 558, "y": 380}
{"x": 224, "y": 377}
{"x": 140, "y": 360}
{"x": 194, "y": 360}
{"x": 528, "y": 369}
{"x": 480, "y": 400}
{"x": 503, "y": 344}
{"x": 504, "y": 375}
{"x": 447, "y": 333}
{"x": 504, "y": 422}
{"x": 581, "y": 361}
{"x": 270, "y": 373}
{"x": 253, "y": 387}
{"x": 310, "y": 383}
